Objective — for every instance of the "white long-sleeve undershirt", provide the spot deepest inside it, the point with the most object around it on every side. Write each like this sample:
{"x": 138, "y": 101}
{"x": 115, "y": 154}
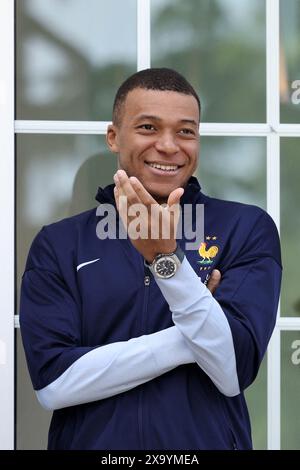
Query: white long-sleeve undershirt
{"x": 201, "y": 334}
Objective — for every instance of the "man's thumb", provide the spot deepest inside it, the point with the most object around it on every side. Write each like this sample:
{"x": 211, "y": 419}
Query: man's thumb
{"x": 175, "y": 196}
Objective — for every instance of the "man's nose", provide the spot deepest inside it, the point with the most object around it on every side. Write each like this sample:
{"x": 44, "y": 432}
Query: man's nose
{"x": 167, "y": 143}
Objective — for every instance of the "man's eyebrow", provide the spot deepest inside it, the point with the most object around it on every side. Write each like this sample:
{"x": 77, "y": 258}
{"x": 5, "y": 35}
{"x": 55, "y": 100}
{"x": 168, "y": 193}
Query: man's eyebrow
{"x": 147, "y": 116}
{"x": 189, "y": 121}
{"x": 157, "y": 118}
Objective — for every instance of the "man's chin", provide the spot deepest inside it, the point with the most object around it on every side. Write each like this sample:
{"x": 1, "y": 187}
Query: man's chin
{"x": 159, "y": 191}
{"x": 159, "y": 195}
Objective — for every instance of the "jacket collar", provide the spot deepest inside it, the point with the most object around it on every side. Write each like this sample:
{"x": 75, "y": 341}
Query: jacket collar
{"x": 106, "y": 195}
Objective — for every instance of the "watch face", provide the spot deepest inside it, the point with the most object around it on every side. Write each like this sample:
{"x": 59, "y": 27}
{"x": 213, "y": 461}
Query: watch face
{"x": 165, "y": 267}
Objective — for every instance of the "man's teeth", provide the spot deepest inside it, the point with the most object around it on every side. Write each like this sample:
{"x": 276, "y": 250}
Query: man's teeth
{"x": 164, "y": 167}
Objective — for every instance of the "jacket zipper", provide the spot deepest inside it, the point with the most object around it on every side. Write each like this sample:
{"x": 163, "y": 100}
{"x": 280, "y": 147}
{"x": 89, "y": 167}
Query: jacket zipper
{"x": 147, "y": 280}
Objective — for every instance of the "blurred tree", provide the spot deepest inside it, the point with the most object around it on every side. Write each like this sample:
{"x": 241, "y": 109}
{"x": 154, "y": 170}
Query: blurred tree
{"x": 198, "y": 38}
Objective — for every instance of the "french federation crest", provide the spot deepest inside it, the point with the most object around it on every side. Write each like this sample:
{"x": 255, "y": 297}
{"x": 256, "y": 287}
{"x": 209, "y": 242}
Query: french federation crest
{"x": 207, "y": 253}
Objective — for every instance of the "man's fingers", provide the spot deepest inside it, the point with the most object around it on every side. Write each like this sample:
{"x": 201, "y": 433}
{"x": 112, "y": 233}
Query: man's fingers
{"x": 214, "y": 280}
{"x": 175, "y": 196}
{"x": 116, "y": 194}
{"x": 142, "y": 193}
{"x": 125, "y": 187}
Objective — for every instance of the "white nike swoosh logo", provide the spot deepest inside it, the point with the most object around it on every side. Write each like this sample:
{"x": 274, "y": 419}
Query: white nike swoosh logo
{"x": 87, "y": 262}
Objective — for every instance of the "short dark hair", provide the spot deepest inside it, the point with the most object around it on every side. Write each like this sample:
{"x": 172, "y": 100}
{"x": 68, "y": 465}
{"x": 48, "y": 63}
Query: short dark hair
{"x": 162, "y": 79}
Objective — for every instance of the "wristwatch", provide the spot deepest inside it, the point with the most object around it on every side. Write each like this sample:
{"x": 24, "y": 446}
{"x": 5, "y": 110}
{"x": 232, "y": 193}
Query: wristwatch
{"x": 165, "y": 265}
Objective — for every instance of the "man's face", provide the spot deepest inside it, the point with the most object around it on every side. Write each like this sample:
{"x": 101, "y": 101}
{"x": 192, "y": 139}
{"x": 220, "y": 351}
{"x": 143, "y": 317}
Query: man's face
{"x": 157, "y": 139}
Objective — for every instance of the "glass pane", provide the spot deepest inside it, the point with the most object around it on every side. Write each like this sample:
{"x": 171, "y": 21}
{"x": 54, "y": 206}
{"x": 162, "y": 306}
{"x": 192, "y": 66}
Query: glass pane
{"x": 70, "y": 61}
{"x": 219, "y": 45}
{"x": 290, "y": 390}
{"x": 290, "y": 225}
{"x": 30, "y": 415}
{"x": 234, "y": 168}
{"x": 290, "y": 61}
{"x": 57, "y": 176}
{"x": 256, "y": 397}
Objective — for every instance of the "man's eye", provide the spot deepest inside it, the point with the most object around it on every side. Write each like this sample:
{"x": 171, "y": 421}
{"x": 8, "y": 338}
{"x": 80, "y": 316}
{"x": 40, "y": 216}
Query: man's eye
{"x": 187, "y": 131}
{"x": 147, "y": 127}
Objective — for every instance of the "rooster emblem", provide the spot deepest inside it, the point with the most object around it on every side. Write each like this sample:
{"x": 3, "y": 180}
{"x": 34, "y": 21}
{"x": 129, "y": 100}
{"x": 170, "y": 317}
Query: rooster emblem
{"x": 207, "y": 254}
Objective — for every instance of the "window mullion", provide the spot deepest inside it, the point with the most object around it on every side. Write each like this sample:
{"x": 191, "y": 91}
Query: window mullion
{"x": 7, "y": 230}
{"x": 273, "y": 204}
{"x": 143, "y": 34}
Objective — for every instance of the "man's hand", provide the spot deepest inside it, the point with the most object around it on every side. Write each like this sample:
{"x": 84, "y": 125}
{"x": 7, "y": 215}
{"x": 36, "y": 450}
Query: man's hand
{"x": 154, "y": 217}
{"x": 151, "y": 227}
{"x": 214, "y": 280}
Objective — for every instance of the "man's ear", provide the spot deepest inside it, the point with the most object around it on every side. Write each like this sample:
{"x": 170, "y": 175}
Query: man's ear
{"x": 112, "y": 138}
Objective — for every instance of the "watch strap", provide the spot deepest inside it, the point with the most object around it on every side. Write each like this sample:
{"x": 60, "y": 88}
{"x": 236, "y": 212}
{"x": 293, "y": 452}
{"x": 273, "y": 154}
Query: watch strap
{"x": 178, "y": 252}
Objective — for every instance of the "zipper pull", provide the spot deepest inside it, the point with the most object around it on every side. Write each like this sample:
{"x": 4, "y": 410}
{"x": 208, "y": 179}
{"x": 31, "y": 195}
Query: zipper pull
{"x": 147, "y": 277}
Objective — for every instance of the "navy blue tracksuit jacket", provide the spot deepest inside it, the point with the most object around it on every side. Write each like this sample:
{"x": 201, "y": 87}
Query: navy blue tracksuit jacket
{"x": 66, "y": 313}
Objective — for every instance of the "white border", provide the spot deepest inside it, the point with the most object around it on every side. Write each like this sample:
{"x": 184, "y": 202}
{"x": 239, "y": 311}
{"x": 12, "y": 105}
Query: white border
{"x": 273, "y": 177}
{"x": 283, "y": 323}
{"x": 61, "y": 127}
{"x": 272, "y": 61}
{"x": 273, "y": 391}
{"x": 7, "y": 185}
{"x": 143, "y": 34}
{"x": 288, "y": 323}
{"x": 206, "y": 128}
{"x": 273, "y": 205}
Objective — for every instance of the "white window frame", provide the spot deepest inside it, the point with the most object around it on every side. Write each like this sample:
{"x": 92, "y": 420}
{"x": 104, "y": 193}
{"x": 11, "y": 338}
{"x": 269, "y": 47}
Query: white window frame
{"x": 7, "y": 204}
{"x": 272, "y": 130}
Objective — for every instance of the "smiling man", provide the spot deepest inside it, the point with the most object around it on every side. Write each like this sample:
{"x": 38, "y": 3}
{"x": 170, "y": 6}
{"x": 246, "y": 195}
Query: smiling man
{"x": 135, "y": 343}
{"x": 156, "y": 136}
